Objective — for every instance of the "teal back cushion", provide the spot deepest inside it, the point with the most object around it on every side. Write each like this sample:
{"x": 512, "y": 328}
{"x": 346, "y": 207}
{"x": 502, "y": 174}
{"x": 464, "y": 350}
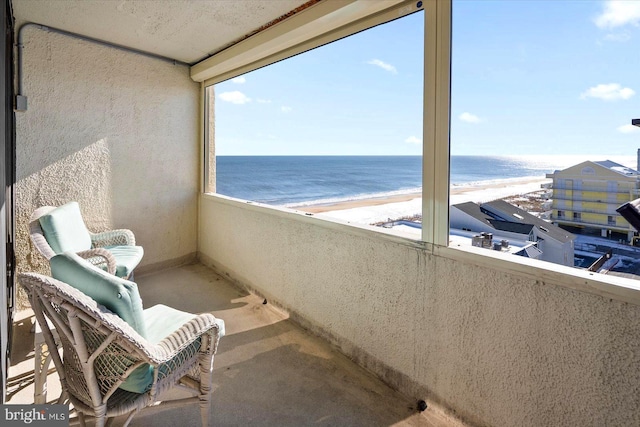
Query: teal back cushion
{"x": 118, "y": 295}
{"x": 65, "y": 230}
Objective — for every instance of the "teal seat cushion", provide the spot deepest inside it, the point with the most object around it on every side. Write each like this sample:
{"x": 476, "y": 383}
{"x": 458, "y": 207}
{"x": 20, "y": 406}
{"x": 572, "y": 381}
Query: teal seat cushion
{"x": 127, "y": 258}
{"x": 65, "y": 230}
{"x": 161, "y": 321}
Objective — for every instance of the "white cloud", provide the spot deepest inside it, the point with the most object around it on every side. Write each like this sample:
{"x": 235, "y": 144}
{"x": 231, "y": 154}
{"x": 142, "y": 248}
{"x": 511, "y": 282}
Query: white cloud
{"x": 239, "y": 80}
{"x": 235, "y": 97}
{"x": 413, "y": 140}
{"x": 628, "y": 128}
{"x": 469, "y": 118}
{"x": 286, "y": 109}
{"x": 608, "y": 92}
{"x": 618, "y": 37}
{"x": 388, "y": 67}
{"x": 263, "y": 101}
{"x": 618, "y": 13}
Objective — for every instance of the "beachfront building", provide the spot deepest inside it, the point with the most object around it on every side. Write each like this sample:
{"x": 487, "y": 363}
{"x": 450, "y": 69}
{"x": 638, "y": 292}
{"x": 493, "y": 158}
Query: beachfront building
{"x": 586, "y": 196}
{"x": 508, "y": 222}
{"x": 460, "y": 332}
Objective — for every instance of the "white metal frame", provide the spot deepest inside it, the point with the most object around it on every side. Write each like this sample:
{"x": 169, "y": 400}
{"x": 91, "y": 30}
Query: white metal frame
{"x": 436, "y": 132}
{"x": 437, "y": 95}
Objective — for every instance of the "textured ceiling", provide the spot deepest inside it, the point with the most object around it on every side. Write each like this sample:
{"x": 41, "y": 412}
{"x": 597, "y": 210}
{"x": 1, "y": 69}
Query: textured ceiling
{"x": 186, "y": 30}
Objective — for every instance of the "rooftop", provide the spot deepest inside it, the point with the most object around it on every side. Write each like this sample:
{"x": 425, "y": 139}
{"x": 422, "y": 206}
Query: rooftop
{"x": 505, "y": 217}
{"x": 617, "y": 167}
{"x": 514, "y": 214}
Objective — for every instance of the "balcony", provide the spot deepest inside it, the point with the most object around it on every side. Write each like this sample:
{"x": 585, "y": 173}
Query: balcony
{"x": 361, "y": 312}
{"x": 268, "y": 370}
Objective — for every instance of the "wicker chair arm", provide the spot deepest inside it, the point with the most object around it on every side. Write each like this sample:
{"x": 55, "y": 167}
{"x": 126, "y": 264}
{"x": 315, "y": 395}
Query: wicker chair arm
{"x": 171, "y": 346}
{"x": 141, "y": 349}
{"x": 122, "y": 237}
{"x": 100, "y": 258}
{"x": 36, "y": 233}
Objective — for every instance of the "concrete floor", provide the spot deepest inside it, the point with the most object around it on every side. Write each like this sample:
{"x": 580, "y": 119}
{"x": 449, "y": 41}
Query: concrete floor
{"x": 268, "y": 371}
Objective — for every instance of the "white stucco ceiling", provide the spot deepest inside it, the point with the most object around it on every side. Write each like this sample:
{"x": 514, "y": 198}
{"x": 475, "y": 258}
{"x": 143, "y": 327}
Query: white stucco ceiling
{"x": 186, "y": 30}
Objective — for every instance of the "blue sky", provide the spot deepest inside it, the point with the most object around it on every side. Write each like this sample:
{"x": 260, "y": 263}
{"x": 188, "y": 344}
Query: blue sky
{"x": 528, "y": 77}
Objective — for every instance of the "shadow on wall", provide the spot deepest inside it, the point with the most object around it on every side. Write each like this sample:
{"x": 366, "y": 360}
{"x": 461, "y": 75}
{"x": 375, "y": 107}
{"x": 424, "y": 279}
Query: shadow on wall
{"x": 115, "y": 131}
{"x": 51, "y": 186}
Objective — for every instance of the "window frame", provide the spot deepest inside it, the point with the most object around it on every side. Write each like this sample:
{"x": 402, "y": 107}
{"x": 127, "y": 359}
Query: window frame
{"x": 436, "y": 101}
{"x": 436, "y": 155}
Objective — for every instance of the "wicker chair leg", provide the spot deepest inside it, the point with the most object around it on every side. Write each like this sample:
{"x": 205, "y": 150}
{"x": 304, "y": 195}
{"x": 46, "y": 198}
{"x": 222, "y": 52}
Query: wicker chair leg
{"x": 206, "y": 379}
{"x": 81, "y": 419}
{"x": 130, "y": 417}
{"x": 101, "y": 415}
{"x": 205, "y": 403}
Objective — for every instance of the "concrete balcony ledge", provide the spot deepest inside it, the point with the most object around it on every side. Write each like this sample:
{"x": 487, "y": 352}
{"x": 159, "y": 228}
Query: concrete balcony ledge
{"x": 268, "y": 370}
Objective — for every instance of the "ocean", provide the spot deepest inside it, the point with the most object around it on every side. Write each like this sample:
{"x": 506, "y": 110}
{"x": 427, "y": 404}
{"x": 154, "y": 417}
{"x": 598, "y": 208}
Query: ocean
{"x": 309, "y": 180}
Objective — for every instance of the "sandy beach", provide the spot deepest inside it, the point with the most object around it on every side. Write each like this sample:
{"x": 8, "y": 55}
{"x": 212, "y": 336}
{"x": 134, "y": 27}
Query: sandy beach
{"x": 406, "y": 205}
{"x": 360, "y": 203}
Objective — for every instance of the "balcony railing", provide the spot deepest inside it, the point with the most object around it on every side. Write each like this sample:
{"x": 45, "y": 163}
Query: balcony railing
{"x": 608, "y": 212}
{"x": 594, "y": 200}
{"x": 620, "y": 198}
{"x": 627, "y": 187}
{"x": 583, "y": 222}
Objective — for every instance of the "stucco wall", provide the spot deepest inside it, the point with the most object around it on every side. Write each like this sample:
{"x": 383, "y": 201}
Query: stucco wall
{"x": 495, "y": 348}
{"x": 115, "y": 131}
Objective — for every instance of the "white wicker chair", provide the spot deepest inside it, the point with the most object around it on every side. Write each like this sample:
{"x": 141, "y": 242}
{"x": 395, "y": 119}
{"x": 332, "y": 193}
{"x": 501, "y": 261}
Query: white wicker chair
{"x": 97, "y": 255}
{"x": 99, "y": 351}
